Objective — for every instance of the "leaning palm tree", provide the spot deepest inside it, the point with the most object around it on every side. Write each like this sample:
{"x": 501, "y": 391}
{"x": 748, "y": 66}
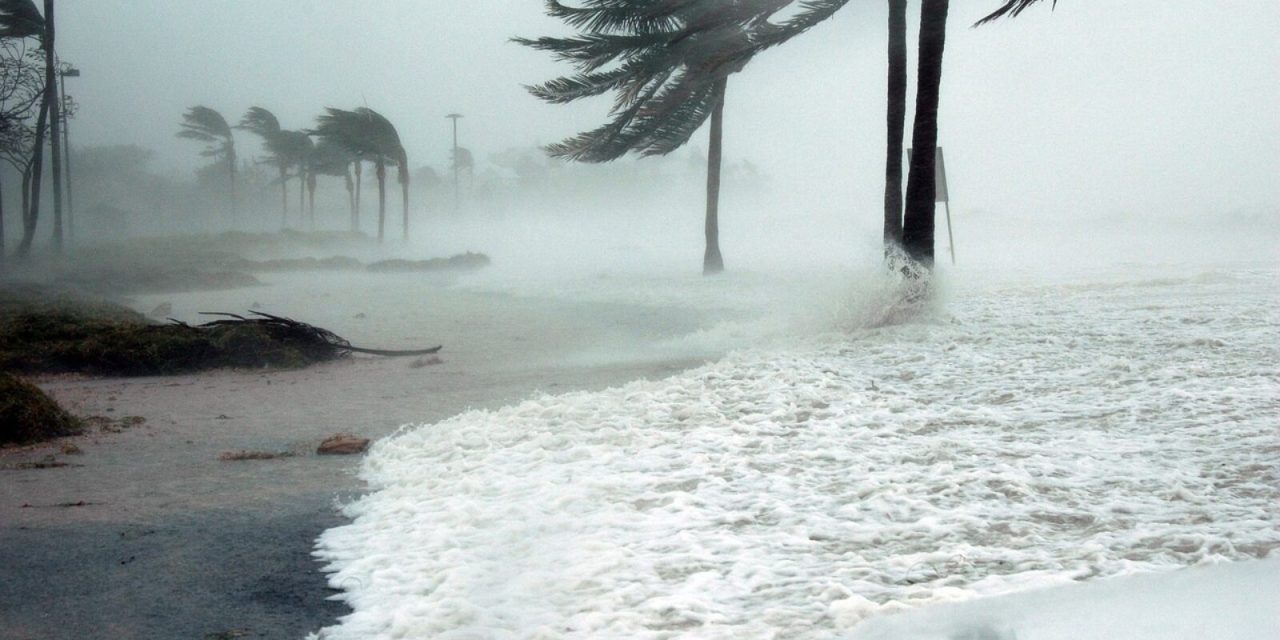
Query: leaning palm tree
{"x": 331, "y": 159}
{"x": 668, "y": 64}
{"x": 367, "y": 134}
{"x": 295, "y": 149}
{"x": 206, "y": 125}
{"x": 265, "y": 125}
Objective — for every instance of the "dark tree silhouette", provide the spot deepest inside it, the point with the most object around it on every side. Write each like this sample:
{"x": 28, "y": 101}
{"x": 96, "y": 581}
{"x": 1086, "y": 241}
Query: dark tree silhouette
{"x": 265, "y": 125}
{"x": 896, "y": 118}
{"x": 667, "y": 63}
{"x": 21, "y": 90}
{"x": 366, "y": 134}
{"x": 1011, "y": 9}
{"x": 918, "y": 219}
{"x": 330, "y": 159}
{"x": 206, "y": 125}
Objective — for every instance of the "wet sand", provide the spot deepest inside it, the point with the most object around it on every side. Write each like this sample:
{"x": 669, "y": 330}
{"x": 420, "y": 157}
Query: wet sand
{"x": 164, "y": 540}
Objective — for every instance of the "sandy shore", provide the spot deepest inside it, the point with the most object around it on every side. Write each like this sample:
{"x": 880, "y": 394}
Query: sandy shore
{"x": 147, "y": 534}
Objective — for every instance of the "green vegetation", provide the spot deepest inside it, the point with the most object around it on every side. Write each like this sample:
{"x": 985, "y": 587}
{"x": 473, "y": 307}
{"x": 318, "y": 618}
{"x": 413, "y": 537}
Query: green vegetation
{"x": 28, "y": 415}
{"x": 50, "y": 333}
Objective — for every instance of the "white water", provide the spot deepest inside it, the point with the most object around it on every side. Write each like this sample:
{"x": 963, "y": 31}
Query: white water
{"x": 1024, "y": 434}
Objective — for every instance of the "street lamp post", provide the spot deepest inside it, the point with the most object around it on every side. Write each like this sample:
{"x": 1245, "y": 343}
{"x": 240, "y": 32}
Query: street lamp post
{"x": 456, "y": 198}
{"x": 68, "y": 107}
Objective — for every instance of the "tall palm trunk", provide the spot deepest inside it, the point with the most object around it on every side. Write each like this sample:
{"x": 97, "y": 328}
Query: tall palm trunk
{"x": 712, "y": 262}
{"x": 381, "y": 167}
{"x": 355, "y": 219}
{"x": 311, "y": 193}
{"x": 403, "y": 176}
{"x": 351, "y": 199}
{"x": 917, "y": 228}
{"x": 2, "y": 243}
{"x": 31, "y": 183}
{"x": 284, "y": 196}
{"x": 55, "y": 135}
{"x": 897, "y": 121}
{"x": 231, "y": 164}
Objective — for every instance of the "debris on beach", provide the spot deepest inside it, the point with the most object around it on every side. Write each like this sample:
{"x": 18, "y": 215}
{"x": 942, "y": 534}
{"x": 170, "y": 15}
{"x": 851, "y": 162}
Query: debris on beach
{"x": 28, "y": 415}
{"x": 232, "y": 456}
{"x": 343, "y": 444}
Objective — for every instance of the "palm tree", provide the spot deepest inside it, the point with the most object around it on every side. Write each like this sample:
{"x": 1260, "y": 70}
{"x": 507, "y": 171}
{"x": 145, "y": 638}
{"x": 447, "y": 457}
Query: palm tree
{"x": 296, "y": 147}
{"x": 368, "y": 135}
{"x": 918, "y": 219}
{"x": 330, "y": 159}
{"x": 896, "y": 118}
{"x": 671, "y": 62}
{"x": 206, "y": 125}
{"x": 265, "y": 125}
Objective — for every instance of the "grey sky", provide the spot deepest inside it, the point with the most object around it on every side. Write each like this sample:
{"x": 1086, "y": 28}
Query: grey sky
{"x": 1100, "y": 107}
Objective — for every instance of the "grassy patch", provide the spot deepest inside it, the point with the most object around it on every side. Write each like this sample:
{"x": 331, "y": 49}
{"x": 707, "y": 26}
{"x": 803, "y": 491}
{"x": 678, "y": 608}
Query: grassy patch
{"x": 49, "y": 333}
{"x": 28, "y": 415}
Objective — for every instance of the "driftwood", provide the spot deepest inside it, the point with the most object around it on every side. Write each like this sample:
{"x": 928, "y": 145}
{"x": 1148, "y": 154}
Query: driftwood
{"x": 290, "y": 329}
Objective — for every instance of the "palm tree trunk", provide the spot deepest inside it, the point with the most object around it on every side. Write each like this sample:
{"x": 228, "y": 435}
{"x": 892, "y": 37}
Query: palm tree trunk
{"x": 2, "y": 243}
{"x": 311, "y": 192}
{"x": 351, "y": 200}
{"x": 917, "y": 228}
{"x": 31, "y": 214}
{"x": 382, "y": 196}
{"x": 355, "y": 221}
{"x": 302, "y": 195}
{"x": 55, "y": 135}
{"x": 404, "y": 194}
{"x": 284, "y": 197}
{"x": 897, "y": 123}
{"x": 231, "y": 164}
{"x": 712, "y": 262}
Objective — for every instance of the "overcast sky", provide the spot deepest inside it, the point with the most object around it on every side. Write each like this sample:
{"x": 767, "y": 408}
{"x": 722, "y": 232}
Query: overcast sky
{"x": 1101, "y": 107}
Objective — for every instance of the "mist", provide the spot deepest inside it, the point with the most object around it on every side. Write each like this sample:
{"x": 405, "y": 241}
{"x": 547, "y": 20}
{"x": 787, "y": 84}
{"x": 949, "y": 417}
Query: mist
{"x": 559, "y": 388}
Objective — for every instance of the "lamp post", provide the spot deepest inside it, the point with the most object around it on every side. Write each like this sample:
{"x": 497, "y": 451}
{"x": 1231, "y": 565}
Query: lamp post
{"x": 68, "y": 108}
{"x": 456, "y": 199}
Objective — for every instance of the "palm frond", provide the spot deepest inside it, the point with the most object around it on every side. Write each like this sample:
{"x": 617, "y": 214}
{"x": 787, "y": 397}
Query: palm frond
{"x": 20, "y": 19}
{"x": 261, "y": 122}
{"x": 1011, "y": 9}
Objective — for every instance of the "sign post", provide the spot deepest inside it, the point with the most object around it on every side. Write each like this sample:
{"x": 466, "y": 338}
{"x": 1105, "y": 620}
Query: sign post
{"x": 942, "y": 194}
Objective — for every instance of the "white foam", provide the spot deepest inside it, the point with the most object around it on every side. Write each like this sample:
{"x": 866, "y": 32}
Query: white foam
{"x": 1031, "y": 435}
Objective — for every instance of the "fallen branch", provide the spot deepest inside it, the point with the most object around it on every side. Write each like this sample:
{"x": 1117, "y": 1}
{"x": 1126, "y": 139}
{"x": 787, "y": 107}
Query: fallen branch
{"x": 293, "y": 330}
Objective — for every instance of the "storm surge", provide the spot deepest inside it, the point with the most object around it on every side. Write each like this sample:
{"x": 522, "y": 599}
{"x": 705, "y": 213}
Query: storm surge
{"x": 1025, "y": 434}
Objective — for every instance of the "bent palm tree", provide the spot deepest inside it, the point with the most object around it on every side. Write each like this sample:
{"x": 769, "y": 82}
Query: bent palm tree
{"x": 366, "y": 134}
{"x": 670, "y": 67}
{"x": 206, "y": 125}
{"x": 265, "y": 125}
{"x": 331, "y": 159}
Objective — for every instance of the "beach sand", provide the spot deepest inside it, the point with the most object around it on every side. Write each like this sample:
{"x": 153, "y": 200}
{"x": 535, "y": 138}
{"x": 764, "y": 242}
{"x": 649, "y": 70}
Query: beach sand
{"x": 147, "y": 534}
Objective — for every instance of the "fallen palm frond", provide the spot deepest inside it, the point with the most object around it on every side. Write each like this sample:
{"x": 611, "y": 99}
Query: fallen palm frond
{"x": 301, "y": 333}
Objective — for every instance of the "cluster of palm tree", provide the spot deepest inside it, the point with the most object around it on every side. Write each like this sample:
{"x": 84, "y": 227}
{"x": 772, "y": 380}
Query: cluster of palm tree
{"x": 667, "y": 63}
{"x": 339, "y": 145}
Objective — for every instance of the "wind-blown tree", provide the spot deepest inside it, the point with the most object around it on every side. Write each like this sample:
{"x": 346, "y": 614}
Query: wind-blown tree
{"x": 296, "y": 147}
{"x": 203, "y": 124}
{"x": 20, "y": 20}
{"x": 331, "y": 159}
{"x": 21, "y": 89}
{"x": 668, "y": 65}
{"x": 265, "y": 125}
{"x": 368, "y": 135}
{"x": 667, "y": 62}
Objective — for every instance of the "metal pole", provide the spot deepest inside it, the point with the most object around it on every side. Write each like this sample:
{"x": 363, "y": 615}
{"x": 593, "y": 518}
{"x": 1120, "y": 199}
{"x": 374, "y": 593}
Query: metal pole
{"x": 951, "y": 240}
{"x": 457, "y": 198}
{"x": 66, "y": 143}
